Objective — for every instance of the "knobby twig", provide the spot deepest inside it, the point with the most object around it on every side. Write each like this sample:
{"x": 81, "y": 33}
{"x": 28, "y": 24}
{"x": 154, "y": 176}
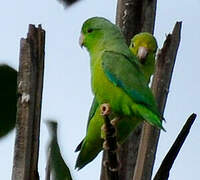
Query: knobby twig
{"x": 160, "y": 87}
{"x": 30, "y": 85}
{"x": 110, "y": 145}
{"x": 133, "y": 16}
{"x": 163, "y": 171}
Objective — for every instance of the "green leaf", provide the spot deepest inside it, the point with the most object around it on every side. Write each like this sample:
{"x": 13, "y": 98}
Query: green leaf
{"x": 8, "y": 99}
{"x": 58, "y": 167}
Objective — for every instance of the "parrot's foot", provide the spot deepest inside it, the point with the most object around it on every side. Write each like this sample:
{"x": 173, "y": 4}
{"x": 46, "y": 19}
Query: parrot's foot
{"x": 115, "y": 169}
{"x": 115, "y": 121}
{"x": 103, "y": 128}
{"x": 104, "y": 132}
{"x": 105, "y": 109}
{"x": 106, "y": 164}
{"x": 105, "y": 145}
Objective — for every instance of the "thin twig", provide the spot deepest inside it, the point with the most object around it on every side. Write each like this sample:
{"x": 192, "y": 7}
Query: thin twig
{"x": 30, "y": 85}
{"x": 160, "y": 87}
{"x": 163, "y": 171}
{"x": 110, "y": 145}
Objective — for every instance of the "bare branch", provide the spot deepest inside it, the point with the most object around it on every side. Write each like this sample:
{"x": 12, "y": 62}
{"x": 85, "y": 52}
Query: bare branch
{"x": 160, "y": 87}
{"x": 30, "y": 85}
{"x": 163, "y": 171}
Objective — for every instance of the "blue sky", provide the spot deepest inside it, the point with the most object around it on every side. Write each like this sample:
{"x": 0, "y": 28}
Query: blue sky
{"x": 67, "y": 94}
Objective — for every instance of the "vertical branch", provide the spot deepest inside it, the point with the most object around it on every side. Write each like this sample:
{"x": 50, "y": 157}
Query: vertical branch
{"x": 160, "y": 87}
{"x": 30, "y": 85}
{"x": 133, "y": 16}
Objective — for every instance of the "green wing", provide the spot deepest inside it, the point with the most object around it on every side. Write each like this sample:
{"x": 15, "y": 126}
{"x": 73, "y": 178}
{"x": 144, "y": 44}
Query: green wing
{"x": 93, "y": 109}
{"x": 123, "y": 73}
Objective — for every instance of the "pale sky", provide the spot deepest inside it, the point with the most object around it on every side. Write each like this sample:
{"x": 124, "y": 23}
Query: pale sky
{"x": 67, "y": 94}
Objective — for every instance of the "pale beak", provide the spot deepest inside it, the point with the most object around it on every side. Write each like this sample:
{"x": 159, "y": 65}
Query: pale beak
{"x": 81, "y": 38}
{"x": 142, "y": 53}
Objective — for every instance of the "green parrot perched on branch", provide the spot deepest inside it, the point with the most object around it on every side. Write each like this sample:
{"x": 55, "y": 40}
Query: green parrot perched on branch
{"x": 144, "y": 46}
{"x": 117, "y": 79}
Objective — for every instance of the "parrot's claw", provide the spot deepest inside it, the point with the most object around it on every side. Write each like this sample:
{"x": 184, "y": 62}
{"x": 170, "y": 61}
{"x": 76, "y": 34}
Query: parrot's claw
{"x": 105, "y": 145}
{"x": 105, "y": 109}
{"x": 114, "y": 169}
{"x": 103, "y": 128}
{"x": 115, "y": 121}
{"x": 106, "y": 164}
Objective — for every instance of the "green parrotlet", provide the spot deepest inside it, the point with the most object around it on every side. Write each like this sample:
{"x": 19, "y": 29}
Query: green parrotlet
{"x": 117, "y": 79}
{"x": 144, "y": 46}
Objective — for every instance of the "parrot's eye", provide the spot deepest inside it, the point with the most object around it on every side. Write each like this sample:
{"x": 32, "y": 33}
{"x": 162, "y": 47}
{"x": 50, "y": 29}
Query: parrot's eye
{"x": 90, "y": 30}
{"x": 132, "y": 45}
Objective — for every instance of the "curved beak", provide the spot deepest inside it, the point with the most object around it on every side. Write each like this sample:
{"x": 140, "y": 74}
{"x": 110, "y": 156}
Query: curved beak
{"x": 81, "y": 38}
{"x": 142, "y": 53}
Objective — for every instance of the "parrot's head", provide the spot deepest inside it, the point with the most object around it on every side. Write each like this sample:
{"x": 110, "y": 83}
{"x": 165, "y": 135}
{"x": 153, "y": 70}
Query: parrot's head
{"x": 142, "y": 45}
{"x": 96, "y": 32}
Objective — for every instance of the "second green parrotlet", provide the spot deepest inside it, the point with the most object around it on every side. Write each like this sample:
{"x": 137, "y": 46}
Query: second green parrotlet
{"x": 119, "y": 80}
{"x": 144, "y": 46}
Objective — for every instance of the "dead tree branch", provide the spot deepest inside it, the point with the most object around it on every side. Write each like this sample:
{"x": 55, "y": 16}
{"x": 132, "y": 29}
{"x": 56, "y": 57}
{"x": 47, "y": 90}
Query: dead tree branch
{"x": 160, "y": 87}
{"x": 30, "y": 85}
{"x": 163, "y": 171}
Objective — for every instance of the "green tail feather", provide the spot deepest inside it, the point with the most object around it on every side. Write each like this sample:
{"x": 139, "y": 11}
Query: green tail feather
{"x": 89, "y": 151}
{"x": 150, "y": 117}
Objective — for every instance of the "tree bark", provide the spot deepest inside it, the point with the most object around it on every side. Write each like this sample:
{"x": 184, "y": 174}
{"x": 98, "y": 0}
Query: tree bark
{"x": 30, "y": 85}
{"x": 160, "y": 87}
